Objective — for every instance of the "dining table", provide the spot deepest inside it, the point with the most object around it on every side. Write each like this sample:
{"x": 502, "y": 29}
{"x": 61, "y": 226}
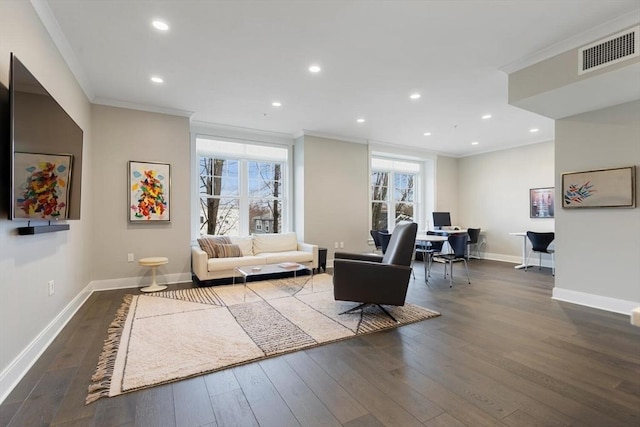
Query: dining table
{"x": 429, "y": 238}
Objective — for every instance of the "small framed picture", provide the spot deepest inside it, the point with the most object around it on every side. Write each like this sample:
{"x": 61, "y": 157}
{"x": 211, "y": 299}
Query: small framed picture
{"x": 541, "y": 202}
{"x": 149, "y": 191}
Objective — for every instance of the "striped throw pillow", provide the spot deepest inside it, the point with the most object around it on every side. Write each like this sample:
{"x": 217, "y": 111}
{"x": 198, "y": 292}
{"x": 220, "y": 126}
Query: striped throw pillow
{"x": 228, "y": 251}
{"x": 209, "y": 244}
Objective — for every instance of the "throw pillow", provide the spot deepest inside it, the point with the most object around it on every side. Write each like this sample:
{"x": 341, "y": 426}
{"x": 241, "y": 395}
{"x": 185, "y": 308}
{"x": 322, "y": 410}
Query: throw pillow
{"x": 210, "y": 243}
{"x": 228, "y": 251}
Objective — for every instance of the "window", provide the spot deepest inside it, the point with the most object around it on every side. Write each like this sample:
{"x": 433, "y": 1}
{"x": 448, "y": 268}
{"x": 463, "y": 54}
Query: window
{"x": 393, "y": 192}
{"x": 241, "y": 188}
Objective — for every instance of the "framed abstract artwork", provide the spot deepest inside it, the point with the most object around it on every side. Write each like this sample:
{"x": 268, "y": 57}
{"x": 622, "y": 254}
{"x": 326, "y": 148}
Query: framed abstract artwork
{"x": 149, "y": 191}
{"x": 599, "y": 188}
{"x": 541, "y": 202}
{"x": 41, "y": 185}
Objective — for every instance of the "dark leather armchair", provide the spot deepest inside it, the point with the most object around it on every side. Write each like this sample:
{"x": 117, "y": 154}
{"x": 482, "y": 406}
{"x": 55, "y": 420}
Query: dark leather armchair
{"x": 374, "y": 279}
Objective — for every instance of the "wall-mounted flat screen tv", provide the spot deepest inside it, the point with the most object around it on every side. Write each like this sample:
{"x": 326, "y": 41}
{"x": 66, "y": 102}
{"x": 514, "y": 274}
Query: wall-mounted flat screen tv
{"x": 46, "y": 152}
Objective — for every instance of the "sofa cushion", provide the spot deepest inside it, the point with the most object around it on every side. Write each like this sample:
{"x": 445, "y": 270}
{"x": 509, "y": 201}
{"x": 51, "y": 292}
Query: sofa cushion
{"x": 293, "y": 256}
{"x": 228, "y": 251}
{"x": 222, "y": 264}
{"x": 245, "y": 243}
{"x": 209, "y": 243}
{"x": 274, "y": 242}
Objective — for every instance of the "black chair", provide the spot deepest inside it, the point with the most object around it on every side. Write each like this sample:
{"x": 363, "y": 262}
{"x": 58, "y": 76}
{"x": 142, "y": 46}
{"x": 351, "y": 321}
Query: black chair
{"x": 377, "y": 241}
{"x": 540, "y": 243}
{"x": 373, "y": 279}
{"x": 458, "y": 243}
{"x": 474, "y": 235}
{"x": 428, "y": 251}
{"x": 384, "y": 237}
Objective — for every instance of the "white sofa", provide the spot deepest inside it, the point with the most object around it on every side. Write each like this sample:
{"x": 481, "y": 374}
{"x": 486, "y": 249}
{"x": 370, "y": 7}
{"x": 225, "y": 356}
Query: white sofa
{"x": 257, "y": 249}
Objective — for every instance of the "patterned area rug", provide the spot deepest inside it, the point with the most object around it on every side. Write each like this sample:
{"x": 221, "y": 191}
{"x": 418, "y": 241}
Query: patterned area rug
{"x": 167, "y": 336}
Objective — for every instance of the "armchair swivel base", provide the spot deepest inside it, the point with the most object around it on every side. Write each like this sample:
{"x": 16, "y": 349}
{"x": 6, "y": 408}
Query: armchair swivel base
{"x": 362, "y": 306}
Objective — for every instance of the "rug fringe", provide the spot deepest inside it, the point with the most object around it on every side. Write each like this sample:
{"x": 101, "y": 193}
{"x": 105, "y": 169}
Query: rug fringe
{"x": 101, "y": 379}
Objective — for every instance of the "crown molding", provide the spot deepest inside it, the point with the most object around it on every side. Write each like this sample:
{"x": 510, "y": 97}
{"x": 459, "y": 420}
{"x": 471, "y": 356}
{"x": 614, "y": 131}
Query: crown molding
{"x": 599, "y": 31}
{"x": 141, "y": 107}
{"x": 306, "y": 132}
{"x": 52, "y": 26}
{"x": 240, "y": 133}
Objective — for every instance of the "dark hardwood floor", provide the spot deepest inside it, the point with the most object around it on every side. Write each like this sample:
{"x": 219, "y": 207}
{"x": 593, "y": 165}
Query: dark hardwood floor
{"x": 503, "y": 353}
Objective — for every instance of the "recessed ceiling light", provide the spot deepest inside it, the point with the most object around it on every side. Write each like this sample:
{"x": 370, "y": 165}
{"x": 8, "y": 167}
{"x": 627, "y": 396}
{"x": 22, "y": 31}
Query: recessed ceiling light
{"x": 160, "y": 25}
{"x": 360, "y": 120}
{"x": 276, "y": 104}
{"x": 427, "y": 134}
{"x": 486, "y": 116}
{"x": 157, "y": 79}
{"x": 534, "y": 130}
{"x": 315, "y": 68}
{"x": 474, "y": 143}
{"x": 414, "y": 96}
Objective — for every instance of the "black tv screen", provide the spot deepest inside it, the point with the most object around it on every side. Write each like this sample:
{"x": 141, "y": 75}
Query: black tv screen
{"x": 441, "y": 219}
{"x": 46, "y": 152}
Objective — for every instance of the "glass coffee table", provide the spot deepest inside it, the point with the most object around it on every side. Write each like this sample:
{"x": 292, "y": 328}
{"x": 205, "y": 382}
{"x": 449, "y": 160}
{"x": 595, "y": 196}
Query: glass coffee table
{"x": 253, "y": 271}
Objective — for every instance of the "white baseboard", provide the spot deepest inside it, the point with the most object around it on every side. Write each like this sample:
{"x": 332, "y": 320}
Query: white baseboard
{"x": 595, "y": 301}
{"x": 138, "y": 282}
{"x": 11, "y": 376}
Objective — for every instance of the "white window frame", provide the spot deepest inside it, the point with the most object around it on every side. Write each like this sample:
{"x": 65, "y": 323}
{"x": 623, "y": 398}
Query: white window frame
{"x": 243, "y": 199}
{"x": 393, "y": 166}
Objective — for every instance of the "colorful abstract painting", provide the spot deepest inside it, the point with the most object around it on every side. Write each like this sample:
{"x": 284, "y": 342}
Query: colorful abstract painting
{"x": 41, "y": 185}
{"x": 149, "y": 187}
{"x": 599, "y": 188}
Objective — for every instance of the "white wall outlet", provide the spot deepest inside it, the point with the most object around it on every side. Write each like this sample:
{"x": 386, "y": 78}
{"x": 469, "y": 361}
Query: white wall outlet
{"x": 341, "y": 245}
{"x": 335, "y": 245}
{"x": 52, "y": 287}
{"x": 130, "y": 258}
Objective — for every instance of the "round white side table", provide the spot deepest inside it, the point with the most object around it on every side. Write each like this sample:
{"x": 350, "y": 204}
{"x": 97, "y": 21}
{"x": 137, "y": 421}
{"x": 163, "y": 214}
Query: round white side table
{"x": 153, "y": 262}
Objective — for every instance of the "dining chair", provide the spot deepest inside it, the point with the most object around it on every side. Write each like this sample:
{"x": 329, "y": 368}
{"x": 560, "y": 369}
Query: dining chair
{"x": 458, "y": 243}
{"x": 540, "y": 243}
{"x": 384, "y": 237}
{"x": 474, "y": 237}
{"x": 428, "y": 251}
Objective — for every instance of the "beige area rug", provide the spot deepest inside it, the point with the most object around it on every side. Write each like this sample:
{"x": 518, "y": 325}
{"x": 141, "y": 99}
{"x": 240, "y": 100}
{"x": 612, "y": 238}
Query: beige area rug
{"x": 167, "y": 336}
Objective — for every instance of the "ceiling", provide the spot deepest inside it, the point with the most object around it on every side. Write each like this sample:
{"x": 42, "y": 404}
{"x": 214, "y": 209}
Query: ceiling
{"x": 225, "y": 62}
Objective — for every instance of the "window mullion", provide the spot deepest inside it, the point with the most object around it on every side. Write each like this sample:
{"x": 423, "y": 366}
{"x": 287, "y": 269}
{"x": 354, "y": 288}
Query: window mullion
{"x": 244, "y": 197}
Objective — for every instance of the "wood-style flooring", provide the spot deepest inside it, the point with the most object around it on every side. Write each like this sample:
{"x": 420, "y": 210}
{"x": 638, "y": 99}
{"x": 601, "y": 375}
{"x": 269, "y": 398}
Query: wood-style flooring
{"x": 503, "y": 353}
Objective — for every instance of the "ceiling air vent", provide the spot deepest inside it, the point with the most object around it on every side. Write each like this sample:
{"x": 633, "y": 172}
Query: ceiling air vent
{"x": 616, "y": 48}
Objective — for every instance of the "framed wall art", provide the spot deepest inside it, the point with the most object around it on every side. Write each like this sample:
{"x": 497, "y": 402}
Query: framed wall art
{"x": 541, "y": 202}
{"x": 149, "y": 191}
{"x": 599, "y": 188}
{"x": 41, "y": 185}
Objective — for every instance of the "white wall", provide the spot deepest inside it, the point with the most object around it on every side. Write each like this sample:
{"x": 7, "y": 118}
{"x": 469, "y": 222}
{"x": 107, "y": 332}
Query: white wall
{"x": 446, "y": 197}
{"x": 28, "y": 315}
{"x": 121, "y": 135}
{"x": 599, "y": 249}
{"x": 493, "y": 194}
{"x": 336, "y": 193}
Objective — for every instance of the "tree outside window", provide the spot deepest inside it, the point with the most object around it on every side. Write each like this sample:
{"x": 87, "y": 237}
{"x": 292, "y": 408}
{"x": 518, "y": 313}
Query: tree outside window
{"x": 229, "y": 187}
{"x": 219, "y": 196}
{"x": 393, "y": 192}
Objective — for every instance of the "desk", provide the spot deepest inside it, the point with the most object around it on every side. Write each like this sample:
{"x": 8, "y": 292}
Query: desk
{"x": 428, "y": 261}
{"x": 447, "y": 231}
{"x": 524, "y": 249}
